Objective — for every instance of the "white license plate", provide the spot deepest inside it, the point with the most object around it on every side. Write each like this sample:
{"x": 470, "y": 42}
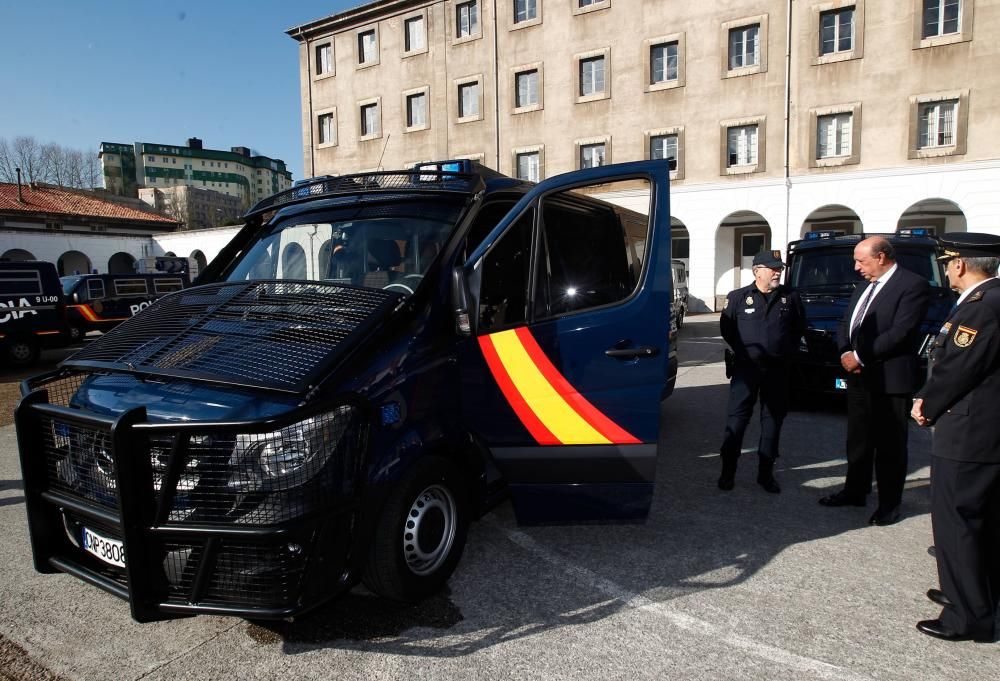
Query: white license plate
{"x": 839, "y": 384}
{"x": 111, "y": 551}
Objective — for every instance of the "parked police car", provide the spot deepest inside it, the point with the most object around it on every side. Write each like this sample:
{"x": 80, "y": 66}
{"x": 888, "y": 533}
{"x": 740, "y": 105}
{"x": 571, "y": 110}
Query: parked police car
{"x": 100, "y": 302}
{"x": 821, "y": 269}
{"x": 367, "y": 366}
{"x": 32, "y": 311}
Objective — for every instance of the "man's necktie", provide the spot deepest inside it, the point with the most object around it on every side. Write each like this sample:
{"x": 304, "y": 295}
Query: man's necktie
{"x": 864, "y": 308}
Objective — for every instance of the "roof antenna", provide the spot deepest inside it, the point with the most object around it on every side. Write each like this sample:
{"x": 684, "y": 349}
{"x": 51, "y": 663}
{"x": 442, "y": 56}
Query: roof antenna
{"x": 384, "y": 145}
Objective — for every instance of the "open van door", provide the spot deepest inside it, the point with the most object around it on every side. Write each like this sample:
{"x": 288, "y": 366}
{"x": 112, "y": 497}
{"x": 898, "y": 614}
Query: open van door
{"x": 569, "y": 300}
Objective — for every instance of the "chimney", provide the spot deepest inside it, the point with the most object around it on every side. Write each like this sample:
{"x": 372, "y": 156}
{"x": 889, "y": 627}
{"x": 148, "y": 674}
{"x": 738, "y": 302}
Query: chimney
{"x": 242, "y": 151}
{"x": 20, "y": 199}
{"x": 194, "y": 143}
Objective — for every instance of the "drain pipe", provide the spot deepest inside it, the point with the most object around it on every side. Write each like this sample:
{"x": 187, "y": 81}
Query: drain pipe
{"x": 20, "y": 199}
{"x": 788, "y": 108}
{"x": 496, "y": 87}
{"x": 309, "y": 89}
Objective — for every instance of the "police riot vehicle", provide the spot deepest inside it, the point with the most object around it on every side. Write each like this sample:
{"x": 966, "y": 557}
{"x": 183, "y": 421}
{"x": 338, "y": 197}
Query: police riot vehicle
{"x": 32, "y": 311}
{"x": 372, "y": 362}
{"x": 100, "y": 302}
{"x": 821, "y": 269}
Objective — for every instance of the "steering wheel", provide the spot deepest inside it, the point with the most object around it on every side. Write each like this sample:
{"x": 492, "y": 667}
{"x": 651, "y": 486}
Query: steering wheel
{"x": 397, "y": 285}
{"x": 408, "y": 286}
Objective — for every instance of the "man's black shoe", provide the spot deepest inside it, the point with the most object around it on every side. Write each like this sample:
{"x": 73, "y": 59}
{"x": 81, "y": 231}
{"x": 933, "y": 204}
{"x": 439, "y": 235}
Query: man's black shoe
{"x": 882, "y": 519}
{"x": 728, "y": 477}
{"x": 938, "y": 597}
{"x": 931, "y": 551}
{"x": 765, "y": 476}
{"x": 841, "y": 498}
{"x": 937, "y": 629}
{"x": 727, "y": 482}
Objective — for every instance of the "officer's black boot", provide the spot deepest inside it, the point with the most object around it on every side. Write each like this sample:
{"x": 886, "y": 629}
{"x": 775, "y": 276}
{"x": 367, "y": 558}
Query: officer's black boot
{"x": 728, "y": 477}
{"x": 765, "y": 475}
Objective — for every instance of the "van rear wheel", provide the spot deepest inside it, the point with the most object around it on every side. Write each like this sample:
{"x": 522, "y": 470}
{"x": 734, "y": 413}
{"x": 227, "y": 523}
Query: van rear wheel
{"x": 420, "y": 533}
{"x": 22, "y": 352}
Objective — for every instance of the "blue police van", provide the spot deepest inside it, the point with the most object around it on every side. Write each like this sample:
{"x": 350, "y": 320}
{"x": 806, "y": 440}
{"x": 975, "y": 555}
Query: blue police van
{"x": 32, "y": 311}
{"x": 821, "y": 269}
{"x": 371, "y": 363}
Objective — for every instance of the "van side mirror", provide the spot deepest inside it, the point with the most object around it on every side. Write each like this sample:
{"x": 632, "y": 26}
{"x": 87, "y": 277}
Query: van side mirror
{"x": 460, "y": 302}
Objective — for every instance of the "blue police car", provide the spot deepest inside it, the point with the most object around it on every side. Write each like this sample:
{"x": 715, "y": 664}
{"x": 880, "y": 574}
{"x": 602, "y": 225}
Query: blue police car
{"x": 821, "y": 269}
{"x": 372, "y": 362}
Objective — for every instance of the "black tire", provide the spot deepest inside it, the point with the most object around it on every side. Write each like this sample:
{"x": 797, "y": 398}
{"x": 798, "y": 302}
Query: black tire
{"x": 420, "y": 533}
{"x": 680, "y": 319}
{"x": 75, "y": 334}
{"x": 21, "y": 352}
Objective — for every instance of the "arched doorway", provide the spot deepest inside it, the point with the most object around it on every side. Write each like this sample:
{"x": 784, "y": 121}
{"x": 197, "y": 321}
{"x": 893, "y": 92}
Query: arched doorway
{"x": 199, "y": 259}
{"x": 741, "y": 235}
{"x": 18, "y": 255}
{"x": 938, "y": 215}
{"x": 73, "y": 262}
{"x": 832, "y": 218}
{"x": 680, "y": 242}
{"x": 293, "y": 262}
{"x": 121, "y": 263}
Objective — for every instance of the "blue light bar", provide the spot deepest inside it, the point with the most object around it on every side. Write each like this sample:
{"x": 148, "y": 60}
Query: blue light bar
{"x": 916, "y": 231}
{"x": 822, "y": 234}
{"x": 451, "y": 166}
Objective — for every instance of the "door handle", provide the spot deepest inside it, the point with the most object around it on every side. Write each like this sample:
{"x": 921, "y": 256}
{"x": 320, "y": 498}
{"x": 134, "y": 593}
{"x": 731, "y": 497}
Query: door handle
{"x": 632, "y": 353}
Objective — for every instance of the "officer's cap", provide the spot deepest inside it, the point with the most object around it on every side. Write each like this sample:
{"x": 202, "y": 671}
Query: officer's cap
{"x": 969, "y": 245}
{"x": 770, "y": 259}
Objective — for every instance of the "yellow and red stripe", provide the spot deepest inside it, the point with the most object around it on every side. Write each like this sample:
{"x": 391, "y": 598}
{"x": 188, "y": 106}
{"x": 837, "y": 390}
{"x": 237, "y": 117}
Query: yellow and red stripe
{"x": 552, "y": 410}
{"x": 91, "y": 316}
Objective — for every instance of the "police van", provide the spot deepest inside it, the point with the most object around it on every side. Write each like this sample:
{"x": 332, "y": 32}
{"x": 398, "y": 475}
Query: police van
{"x": 821, "y": 269}
{"x": 372, "y": 362}
{"x": 32, "y": 311}
{"x": 100, "y": 302}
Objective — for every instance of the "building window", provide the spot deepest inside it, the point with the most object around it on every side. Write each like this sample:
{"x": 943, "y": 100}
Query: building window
{"x": 415, "y": 37}
{"x": 581, "y": 6}
{"x": 466, "y": 19}
{"x": 663, "y": 63}
{"x": 664, "y": 146}
{"x": 741, "y": 146}
{"x": 834, "y": 135}
{"x": 326, "y": 129}
{"x": 468, "y": 99}
{"x": 416, "y": 110}
{"x": 525, "y": 10}
{"x": 526, "y": 89}
{"x": 941, "y": 17}
{"x": 744, "y": 46}
{"x": 937, "y": 124}
{"x": 369, "y": 120}
{"x": 367, "y": 47}
{"x": 529, "y": 166}
{"x": 592, "y": 155}
{"x": 592, "y": 76}
{"x": 324, "y": 59}
{"x": 836, "y": 32}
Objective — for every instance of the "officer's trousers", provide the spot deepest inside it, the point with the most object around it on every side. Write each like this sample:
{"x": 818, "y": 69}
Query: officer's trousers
{"x": 750, "y": 381}
{"x": 965, "y": 514}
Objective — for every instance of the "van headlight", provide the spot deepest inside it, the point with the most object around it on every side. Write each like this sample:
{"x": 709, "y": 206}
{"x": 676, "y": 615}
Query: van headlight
{"x": 286, "y": 458}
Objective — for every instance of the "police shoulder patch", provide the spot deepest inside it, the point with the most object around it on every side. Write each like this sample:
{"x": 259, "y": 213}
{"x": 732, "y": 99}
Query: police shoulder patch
{"x": 964, "y": 336}
{"x": 977, "y": 295}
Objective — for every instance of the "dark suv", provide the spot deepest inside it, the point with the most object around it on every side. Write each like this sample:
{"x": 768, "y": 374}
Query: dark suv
{"x": 821, "y": 269}
{"x": 367, "y": 366}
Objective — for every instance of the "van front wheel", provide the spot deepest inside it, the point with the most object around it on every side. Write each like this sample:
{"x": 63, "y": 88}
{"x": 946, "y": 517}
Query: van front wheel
{"x": 420, "y": 534}
{"x": 22, "y": 352}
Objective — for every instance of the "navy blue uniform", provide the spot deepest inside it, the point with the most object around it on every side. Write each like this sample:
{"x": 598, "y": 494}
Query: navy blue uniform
{"x": 762, "y": 330}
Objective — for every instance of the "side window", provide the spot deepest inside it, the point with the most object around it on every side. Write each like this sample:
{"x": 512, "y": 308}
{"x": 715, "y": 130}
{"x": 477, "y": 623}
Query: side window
{"x": 131, "y": 287}
{"x": 590, "y": 254}
{"x": 489, "y": 216}
{"x": 95, "y": 289}
{"x": 503, "y": 293}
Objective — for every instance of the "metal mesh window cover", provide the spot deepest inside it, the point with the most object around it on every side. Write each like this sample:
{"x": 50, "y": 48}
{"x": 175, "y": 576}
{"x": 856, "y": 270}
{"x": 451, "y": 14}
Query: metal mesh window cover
{"x": 78, "y": 461}
{"x": 277, "y": 335}
{"x": 243, "y": 574}
{"x": 425, "y": 180}
{"x": 264, "y": 478}
{"x": 60, "y": 386}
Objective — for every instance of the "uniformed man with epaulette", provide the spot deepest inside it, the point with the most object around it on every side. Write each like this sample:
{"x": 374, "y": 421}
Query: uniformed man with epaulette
{"x": 960, "y": 400}
{"x": 762, "y": 323}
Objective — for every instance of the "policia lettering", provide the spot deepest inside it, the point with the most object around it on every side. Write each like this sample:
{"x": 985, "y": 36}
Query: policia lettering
{"x": 762, "y": 323}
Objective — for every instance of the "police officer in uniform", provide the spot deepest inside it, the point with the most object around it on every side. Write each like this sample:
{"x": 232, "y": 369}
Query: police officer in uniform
{"x": 762, "y": 323}
{"x": 960, "y": 400}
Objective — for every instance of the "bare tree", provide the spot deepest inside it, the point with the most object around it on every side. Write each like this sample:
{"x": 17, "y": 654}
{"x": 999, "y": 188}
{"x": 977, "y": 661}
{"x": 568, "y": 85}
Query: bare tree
{"x": 48, "y": 163}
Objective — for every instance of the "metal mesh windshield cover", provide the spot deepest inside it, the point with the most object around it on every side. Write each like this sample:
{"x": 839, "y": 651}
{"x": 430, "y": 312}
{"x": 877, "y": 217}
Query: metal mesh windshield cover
{"x": 278, "y": 335}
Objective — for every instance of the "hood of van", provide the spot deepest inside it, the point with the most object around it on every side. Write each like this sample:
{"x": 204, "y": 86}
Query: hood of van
{"x": 281, "y": 336}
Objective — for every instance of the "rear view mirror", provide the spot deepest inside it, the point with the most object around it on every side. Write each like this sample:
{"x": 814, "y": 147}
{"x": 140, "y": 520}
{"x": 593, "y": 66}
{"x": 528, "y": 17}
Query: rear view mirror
{"x": 460, "y": 302}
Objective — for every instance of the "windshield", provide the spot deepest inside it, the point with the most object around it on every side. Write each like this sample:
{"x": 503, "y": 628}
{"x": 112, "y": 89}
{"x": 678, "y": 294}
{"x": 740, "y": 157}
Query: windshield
{"x": 834, "y": 269}
{"x": 68, "y": 284}
{"x": 388, "y": 246}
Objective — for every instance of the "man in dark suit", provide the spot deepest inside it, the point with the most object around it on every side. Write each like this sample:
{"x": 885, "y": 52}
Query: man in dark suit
{"x": 878, "y": 340}
{"x": 960, "y": 399}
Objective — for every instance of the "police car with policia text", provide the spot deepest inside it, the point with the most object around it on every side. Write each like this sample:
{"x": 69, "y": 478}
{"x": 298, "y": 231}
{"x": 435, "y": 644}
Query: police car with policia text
{"x": 32, "y": 311}
{"x": 821, "y": 270}
{"x": 367, "y": 366}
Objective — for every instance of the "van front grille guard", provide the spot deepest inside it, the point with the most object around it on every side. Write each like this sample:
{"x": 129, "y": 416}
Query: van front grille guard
{"x": 228, "y": 518}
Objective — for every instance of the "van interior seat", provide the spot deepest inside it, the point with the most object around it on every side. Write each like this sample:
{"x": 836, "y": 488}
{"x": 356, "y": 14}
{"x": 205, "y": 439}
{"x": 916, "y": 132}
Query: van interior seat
{"x": 384, "y": 256}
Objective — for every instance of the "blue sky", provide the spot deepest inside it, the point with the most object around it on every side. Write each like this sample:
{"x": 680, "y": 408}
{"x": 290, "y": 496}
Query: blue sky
{"x": 82, "y": 72}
